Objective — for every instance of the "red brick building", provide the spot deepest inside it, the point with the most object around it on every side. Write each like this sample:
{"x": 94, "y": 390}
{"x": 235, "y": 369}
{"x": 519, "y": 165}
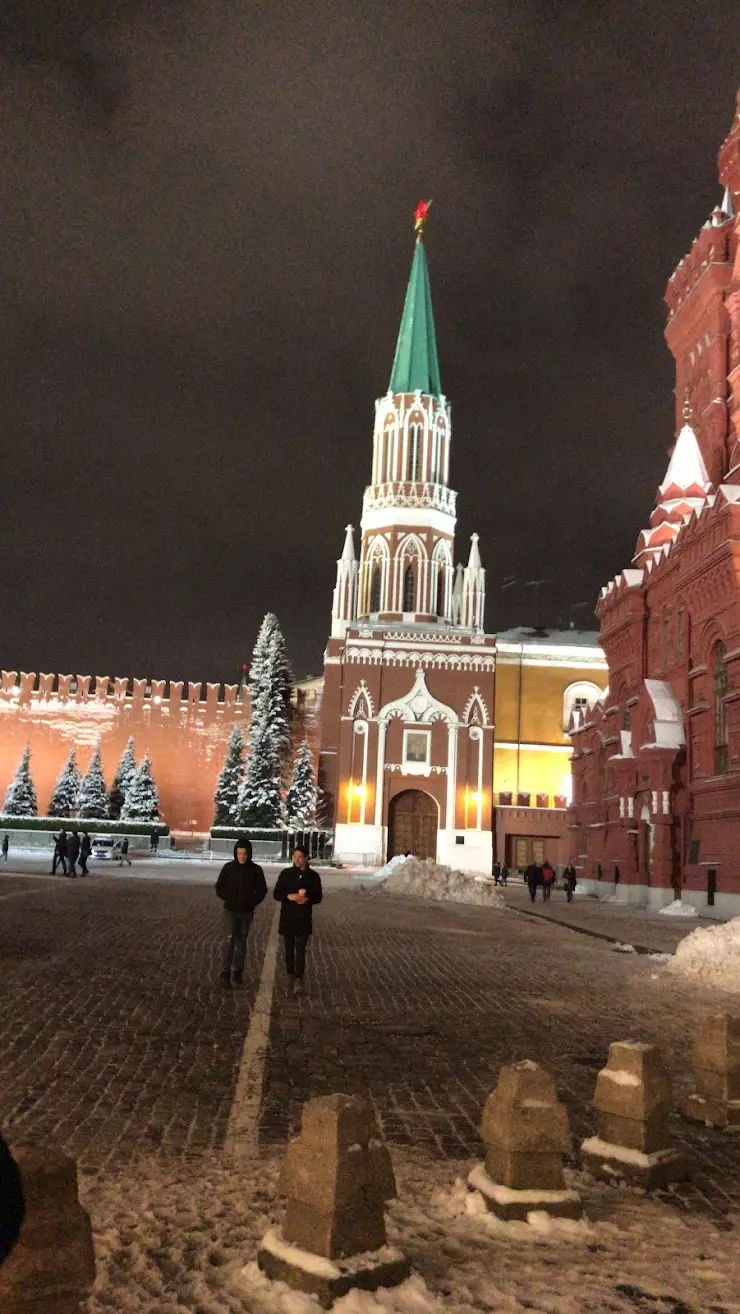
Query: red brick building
{"x": 656, "y": 763}
{"x": 407, "y": 713}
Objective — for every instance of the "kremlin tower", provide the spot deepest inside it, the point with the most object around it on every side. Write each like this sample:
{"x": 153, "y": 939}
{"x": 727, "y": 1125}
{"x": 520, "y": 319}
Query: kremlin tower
{"x": 407, "y": 733}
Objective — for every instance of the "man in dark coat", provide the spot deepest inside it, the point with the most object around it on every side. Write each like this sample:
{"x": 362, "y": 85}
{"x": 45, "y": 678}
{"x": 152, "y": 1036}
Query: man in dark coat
{"x": 533, "y": 877}
{"x": 298, "y": 888}
{"x": 12, "y": 1206}
{"x": 242, "y": 886}
{"x": 60, "y": 852}
{"x": 85, "y": 851}
{"x": 73, "y": 849}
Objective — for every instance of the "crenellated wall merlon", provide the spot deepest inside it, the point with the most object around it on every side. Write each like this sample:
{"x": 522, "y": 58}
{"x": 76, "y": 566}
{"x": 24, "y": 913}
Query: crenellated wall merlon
{"x": 27, "y": 686}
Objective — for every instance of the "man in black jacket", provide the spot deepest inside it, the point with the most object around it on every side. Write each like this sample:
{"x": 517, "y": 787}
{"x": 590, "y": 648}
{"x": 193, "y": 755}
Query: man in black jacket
{"x": 241, "y": 885}
{"x": 298, "y": 888}
{"x": 12, "y": 1207}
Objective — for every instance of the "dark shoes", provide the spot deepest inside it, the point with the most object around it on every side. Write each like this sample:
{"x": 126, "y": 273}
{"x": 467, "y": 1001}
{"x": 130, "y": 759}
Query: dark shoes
{"x": 237, "y": 978}
{"x": 225, "y": 979}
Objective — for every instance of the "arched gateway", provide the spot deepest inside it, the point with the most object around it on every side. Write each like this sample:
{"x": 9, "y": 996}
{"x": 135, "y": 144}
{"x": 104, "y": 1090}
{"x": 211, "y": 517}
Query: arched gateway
{"x": 412, "y": 824}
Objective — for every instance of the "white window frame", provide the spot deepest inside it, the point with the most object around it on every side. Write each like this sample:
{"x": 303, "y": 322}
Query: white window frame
{"x": 417, "y": 768}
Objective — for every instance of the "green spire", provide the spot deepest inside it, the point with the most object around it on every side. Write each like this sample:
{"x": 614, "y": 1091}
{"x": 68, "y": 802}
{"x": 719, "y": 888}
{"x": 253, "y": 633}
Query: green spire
{"x": 416, "y": 366}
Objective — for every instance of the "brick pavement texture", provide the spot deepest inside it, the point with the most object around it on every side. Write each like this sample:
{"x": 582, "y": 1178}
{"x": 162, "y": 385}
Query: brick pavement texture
{"x": 117, "y": 1045}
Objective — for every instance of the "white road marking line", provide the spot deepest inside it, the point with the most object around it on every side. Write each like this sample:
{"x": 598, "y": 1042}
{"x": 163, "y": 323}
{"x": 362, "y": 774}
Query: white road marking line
{"x": 242, "y": 1133}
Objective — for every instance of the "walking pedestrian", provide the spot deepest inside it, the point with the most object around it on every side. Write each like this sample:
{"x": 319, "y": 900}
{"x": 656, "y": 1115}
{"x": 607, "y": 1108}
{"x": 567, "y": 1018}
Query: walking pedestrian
{"x": 496, "y": 872}
{"x": 533, "y": 878}
{"x": 154, "y": 843}
{"x": 85, "y": 851}
{"x": 504, "y": 873}
{"x": 297, "y": 889}
{"x": 6, "y": 846}
{"x": 73, "y": 850}
{"x": 548, "y": 876}
{"x": 570, "y": 881}
{"x": 60, "y": 853}
{"x": 241, "y": 886}
{"x": 123, "y": 852}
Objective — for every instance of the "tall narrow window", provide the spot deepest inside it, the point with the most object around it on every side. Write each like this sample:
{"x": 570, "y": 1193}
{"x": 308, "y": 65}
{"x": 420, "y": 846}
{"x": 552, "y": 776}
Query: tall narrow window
{"x": 409, "y": 588}
{"x": 375, "y": 588}
{"x": 388, "y": 471}
{"x": 414, "y": 452}
{"x": 666, "y": 638}
{"x": 680, "y": 623}
{"x": 440, "y": 590}
{"x": 721, "y": 683}
{"x": 436, "y": 452}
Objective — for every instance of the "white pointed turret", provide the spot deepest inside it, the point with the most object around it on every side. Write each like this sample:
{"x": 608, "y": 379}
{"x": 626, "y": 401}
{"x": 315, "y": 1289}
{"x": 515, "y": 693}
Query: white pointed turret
{"x": 457, "y": 594}
{"x": 683, "y": 491}
{"x": 728, "y": 206}
{"x": 344, "y": 607}
{"x": 474, "y": 589}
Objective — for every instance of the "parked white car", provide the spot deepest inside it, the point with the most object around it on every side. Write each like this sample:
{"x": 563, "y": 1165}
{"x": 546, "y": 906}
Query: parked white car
{"x": 102, "y": 848}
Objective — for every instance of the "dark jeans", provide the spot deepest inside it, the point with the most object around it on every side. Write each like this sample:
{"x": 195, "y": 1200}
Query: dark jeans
{"x": 55, "y": 863}
{"x": 236, "y": 927}
{"x": 546, "y": 891}
{"x": 295, "y": 953}
{"x": 83, "y": 866}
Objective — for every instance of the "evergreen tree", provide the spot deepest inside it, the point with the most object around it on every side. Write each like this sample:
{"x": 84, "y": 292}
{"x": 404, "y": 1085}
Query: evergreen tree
{"x": 125, "y": 772}
{"x": 259, "y": 802}
{"x": 230, "y": 780}
{"x": 270, "y": 682}
{"x": 93, "y": 796}
{"x": 142, "y": 800}
{"x": 20, "y": 796}
{"x": 302, "y": 797}
{"x": 66, "y": 790}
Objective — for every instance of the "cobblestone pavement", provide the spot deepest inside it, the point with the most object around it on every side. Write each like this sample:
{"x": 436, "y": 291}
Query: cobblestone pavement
{"x": 116, "y": 1042}
{"x": 645, "y": 928}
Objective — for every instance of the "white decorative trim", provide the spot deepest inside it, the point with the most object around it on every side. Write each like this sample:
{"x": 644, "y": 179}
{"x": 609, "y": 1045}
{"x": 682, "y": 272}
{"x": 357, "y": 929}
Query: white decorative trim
{"x": 419, "y": 705}
{"x": 457, "y": 661}
{"x": 405, "y": 493}
{"x": 533, "y": 748}
{"x": 360, "y": 692}
{"x": 475, "y": 699}
{"x": 407, "y": 518}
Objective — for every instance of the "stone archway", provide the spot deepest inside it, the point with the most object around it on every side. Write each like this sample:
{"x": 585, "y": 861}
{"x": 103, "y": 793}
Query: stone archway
{"x": 412, "y": 824}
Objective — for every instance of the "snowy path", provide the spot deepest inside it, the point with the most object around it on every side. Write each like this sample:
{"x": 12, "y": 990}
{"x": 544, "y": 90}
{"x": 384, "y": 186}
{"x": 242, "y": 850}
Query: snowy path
{"x": 242, "y": 1133}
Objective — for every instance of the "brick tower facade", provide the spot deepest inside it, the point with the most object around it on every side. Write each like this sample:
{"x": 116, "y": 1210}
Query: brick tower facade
{"x": 407, "y": 752}
{"x": 656, "y": 764}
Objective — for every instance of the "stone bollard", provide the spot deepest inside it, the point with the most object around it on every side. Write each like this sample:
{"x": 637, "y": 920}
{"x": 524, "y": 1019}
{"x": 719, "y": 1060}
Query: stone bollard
{"x": 525, "y": 1130}
{"x": 632, "y": 1101}
{"x": 716, "y": 1066}
{"x": 337, "y": 1176}
{"x": 52, "y": 1267}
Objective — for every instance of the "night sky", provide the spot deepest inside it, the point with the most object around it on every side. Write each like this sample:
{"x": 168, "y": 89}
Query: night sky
{"x": 206, "y": 237}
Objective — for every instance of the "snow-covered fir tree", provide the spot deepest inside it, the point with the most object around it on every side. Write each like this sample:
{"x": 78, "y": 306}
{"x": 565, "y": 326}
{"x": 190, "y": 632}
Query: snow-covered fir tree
{"x": 66, "y": 790}
{"x": 20, "y": 796}
{"x": 92, "y": 800}
{"x": 125, "y": 772}
{"x": 260, "y": 802}
{"x": 302, "y": 797}
{"x": 142, "y": 800}
{"x": 230, "y": 780}
{"x": 270, "y": 682}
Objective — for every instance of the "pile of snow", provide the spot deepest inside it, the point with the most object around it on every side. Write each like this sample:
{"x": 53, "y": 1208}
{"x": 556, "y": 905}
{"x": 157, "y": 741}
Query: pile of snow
{"x": 423, "y": 878}
{"x": 710, "y": 956}
{"x": 391, "y": 865}
{"x": 678, "y": 909}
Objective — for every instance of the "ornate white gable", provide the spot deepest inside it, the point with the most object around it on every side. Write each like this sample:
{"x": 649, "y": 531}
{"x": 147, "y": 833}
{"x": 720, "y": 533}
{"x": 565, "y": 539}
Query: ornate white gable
{"x": 418, "y": 705}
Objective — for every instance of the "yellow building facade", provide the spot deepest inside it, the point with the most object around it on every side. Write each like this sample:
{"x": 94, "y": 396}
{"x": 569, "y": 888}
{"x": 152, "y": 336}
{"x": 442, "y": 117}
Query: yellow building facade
{"x": 542, "y": 676}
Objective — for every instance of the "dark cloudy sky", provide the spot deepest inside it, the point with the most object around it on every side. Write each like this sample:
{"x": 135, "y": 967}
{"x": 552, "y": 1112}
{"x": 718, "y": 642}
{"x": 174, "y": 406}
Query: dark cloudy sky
{"x": 205, "y": 238}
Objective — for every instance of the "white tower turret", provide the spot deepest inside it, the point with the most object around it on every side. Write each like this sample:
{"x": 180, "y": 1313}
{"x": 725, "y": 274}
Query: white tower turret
{"x": 344, "y": 607}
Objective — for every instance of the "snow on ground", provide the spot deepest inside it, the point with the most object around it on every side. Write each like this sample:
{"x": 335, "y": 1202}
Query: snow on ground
{"x": 185, "y": 1239}
{"x": 678, "y": 909}
{"x": 426, "y": 879}
{"x": 710, "y": 956}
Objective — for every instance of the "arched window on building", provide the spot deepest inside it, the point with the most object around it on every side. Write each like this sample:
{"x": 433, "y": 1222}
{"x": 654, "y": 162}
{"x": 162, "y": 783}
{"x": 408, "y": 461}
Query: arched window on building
{"x": 680, "y": 625}
{"x": 440, "y": 590}
{"x": 721, "y": 684}
{"x": 387, "y": 471}
{"x": 436, "y": 455}
{"x": 414, "y": 452}
{"x": 376, "y": 581}
{"x": 666, "y": 642}
{"x": 409, "y": 588}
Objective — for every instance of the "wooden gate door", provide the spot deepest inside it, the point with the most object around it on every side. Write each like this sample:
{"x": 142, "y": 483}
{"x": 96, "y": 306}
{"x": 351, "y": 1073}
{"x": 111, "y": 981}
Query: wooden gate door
{"x": 412, "y": 824}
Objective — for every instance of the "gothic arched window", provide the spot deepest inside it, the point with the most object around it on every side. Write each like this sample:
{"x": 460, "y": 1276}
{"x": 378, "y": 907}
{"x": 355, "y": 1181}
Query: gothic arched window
{"x": 409, "y": 589}
{"x": 375, "y": 587}
{"x": 387, "y": 472}
{"x": 414, "y": 452}
{"x": 721, "y": 684}
{"x": 440, "y": 590}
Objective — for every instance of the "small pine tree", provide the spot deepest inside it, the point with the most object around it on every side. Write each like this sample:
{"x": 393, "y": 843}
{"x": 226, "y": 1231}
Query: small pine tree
{"x": 66, "y": 791}
{"x": 20, "y": 796}
{"x": 301, "y": 799}
{"x": 270, "y": 682}
{"x": 125, "y": 773}
{"x": 142, "y": 800}
{"x": 93, "y": 796}
{"x": 259, "y": 802}
{"x": 230, "y": 780}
